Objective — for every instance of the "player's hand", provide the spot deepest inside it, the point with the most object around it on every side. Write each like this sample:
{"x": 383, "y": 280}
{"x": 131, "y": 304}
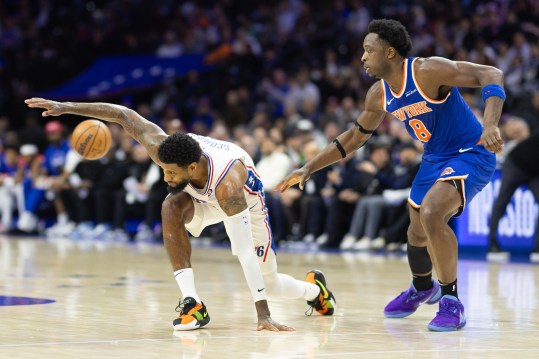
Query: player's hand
{"x": 269, "y": 324}
{"x": 298, "y": 176}
{"x": 53, "y": 108}
{"x": 492, "y": 139}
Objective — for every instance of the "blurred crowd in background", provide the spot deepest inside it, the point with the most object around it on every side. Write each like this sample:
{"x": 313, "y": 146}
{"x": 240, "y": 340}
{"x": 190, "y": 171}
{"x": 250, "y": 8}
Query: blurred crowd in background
{"x": 287, "y": 79}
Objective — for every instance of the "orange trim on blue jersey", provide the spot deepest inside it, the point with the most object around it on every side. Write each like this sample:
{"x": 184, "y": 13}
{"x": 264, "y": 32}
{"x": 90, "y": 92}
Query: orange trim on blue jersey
{"x": 383, "y": 95}
{"x": 421, "y": 91}
{"x": 452, "y": 178}
{"x": 413, "y": 204}
{"x": 404, "y": 80}
{"x": 463, "y": 194}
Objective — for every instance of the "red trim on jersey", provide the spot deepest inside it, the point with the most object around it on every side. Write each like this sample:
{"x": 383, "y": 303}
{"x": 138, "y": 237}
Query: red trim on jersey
{"x": 225, "y": 171}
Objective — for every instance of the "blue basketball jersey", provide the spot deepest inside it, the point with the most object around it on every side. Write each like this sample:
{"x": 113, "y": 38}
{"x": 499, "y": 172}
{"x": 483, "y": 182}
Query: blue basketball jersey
{"x": 444, "y": 126}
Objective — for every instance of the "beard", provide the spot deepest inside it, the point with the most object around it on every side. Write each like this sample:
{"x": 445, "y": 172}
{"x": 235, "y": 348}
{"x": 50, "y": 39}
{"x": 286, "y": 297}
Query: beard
{"x": 178, "y": 188}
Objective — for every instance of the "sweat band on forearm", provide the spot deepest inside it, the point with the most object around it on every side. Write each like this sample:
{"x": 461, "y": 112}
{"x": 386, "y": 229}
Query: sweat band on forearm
{"x": 363, "y": 129}
{"x": 493, "y": 90}
{"x": 340, "y": 147}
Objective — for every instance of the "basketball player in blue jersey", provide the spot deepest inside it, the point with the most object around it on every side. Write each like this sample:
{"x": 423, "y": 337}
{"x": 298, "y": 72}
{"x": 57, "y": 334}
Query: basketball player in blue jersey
{"x": 458, "y": 159}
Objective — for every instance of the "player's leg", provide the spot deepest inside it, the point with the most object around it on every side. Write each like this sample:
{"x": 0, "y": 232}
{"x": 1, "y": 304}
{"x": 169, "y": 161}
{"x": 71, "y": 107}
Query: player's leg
{"x": 512, "y": 178}
{"x": 441, "y": 203}
{"x": 280, "y": 285}
{"x": 313, "y": 289}
{"x": 177, "y": 210}
{"x": 423, "y": 289}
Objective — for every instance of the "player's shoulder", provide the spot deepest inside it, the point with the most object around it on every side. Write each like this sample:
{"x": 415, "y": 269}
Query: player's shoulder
{"x": 431, "y": 64}
{"x": 375, "y": 97}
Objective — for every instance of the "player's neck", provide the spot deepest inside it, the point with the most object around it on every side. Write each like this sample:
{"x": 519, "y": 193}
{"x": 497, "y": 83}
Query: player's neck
{"x": 395, "y": 76}
{"x": 200, "y": 176}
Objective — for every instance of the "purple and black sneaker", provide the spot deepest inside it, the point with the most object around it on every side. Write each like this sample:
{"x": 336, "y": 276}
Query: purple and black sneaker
{"x": 450, "y": 317}
{"x": 409, "y": 300}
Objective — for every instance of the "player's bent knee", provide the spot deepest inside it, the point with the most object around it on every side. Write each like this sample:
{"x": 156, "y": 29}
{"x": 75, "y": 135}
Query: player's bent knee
{"x": 177, "y": 204}
{"x": 430, "y": 215}
{"x": 271, "y": 281}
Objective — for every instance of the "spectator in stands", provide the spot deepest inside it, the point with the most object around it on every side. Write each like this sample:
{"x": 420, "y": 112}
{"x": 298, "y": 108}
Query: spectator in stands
{"x": 367, "y": 216}
{"x": 109, "y": 183}
{"x": 520, "y": 168}
{"x": 10, "y": 179}
{"x": 311, "y": 206}
{"x": 53, "y": 177}
{"x": 29, "y": 168}
{"x": 132, "y": 200}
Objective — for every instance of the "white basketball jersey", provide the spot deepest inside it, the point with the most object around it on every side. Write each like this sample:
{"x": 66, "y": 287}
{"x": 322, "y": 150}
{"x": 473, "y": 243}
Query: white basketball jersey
{"x": 221, "y": 156}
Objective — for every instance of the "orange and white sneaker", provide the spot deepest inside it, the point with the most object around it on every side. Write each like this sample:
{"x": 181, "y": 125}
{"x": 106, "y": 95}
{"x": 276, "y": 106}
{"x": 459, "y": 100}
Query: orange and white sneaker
{"x": 193, "y": 315}
{"x": 325, "y": 303}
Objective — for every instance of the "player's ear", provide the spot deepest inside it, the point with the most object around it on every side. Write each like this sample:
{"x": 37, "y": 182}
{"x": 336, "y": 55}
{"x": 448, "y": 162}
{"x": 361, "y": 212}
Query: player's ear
{"x": 193, "y": 166}
{"x": 391, "y": 52}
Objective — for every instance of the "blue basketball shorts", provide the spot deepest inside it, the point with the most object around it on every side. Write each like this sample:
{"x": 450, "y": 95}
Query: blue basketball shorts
{"x": 471, "y": 169}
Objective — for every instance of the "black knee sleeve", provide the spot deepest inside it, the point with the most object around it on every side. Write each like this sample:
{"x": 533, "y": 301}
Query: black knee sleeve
{"x": 419, "y": 260}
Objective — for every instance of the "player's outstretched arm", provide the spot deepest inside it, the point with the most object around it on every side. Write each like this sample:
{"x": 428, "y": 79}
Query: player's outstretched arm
{"x": 231, "y": 198}
{"x": 345, "y": 144}
{"x": 145, "y": 132}
{"x": 438, "y": 72}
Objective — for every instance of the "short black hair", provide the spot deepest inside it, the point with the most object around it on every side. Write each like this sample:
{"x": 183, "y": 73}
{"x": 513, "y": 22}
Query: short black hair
{"x": 394, "y": 33}
{"x": 180, "y": 149}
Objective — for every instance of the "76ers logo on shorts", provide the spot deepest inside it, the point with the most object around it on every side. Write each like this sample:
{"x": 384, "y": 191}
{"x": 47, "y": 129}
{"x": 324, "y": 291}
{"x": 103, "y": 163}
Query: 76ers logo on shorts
{"x": 447, "y": 171}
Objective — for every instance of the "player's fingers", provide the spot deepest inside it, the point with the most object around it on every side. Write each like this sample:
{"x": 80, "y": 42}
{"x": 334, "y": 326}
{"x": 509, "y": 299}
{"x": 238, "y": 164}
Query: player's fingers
{"x": 302, "y": 181}
{"x": 267, "y": 326}
{"x": 285, "y": 328}
{"x": 495, "y": 145}
{"x": 281, "y": 186}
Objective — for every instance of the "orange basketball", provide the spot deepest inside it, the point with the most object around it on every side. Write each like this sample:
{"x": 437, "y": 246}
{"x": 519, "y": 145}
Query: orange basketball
{"x": 91, "y": 139}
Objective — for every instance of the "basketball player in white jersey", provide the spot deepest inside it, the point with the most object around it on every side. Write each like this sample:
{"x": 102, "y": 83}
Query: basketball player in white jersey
{"x": 209, "y": 181}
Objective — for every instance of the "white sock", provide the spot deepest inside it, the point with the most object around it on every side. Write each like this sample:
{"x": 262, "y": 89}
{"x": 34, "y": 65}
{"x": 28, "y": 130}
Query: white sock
{"x": 186, "y": 281}
{"x": 311, "y": 291}
{"x": 62, "y": 218}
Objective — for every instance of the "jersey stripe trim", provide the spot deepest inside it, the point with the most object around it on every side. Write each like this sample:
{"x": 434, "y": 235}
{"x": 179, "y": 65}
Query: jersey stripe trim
{"x": 209, "y": 181}
{"x": 404, "y": 81}
{"x": 383, "y": 95}
{"x": 421, "y": 91}
{"x": 413, "y": 204}
{"x": 225, "y": 171}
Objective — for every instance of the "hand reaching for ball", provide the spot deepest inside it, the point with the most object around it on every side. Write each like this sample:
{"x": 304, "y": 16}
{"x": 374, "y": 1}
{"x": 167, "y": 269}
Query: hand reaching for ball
{"x": 53, "y": 108}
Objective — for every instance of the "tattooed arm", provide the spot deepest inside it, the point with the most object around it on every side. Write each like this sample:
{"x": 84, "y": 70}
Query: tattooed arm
{"x": 145, "y": 132}
{"x": 231, "y": 198}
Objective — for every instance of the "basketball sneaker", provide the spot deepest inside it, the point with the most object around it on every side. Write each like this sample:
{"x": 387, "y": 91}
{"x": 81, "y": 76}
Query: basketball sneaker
{"x": 409, "y": 300}
{"x": 193, "y": 315}
{"x": 325, "y": 302}
{"x": 450, "y": 317}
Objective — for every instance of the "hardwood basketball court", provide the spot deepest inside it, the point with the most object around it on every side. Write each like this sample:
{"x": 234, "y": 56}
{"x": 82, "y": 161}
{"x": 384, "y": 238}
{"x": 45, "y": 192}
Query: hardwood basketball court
{"x": 118, "y": 300}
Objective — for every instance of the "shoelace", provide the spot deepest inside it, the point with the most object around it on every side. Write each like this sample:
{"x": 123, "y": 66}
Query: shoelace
{"x": 412, "y": 296}
{"x": 448, "y": 309}
{"x": 181, "y": 308}
{"x": 310, "y": 310}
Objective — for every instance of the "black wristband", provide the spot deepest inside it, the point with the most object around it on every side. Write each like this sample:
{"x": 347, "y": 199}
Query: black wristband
{"x": 362, "y": 129}
{"x": 340, "y": 148}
